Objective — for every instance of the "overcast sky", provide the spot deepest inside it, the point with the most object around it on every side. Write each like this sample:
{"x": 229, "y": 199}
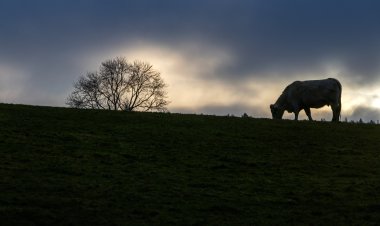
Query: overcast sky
{"x": 217, "y": 56}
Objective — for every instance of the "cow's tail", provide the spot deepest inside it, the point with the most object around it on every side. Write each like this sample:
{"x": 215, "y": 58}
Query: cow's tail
{"x": 340, "y": 99}
{"x": 339, "y": 96}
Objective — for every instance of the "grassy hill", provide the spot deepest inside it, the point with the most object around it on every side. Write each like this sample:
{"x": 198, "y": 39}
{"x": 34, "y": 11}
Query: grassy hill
{"x": 85, "y": 167}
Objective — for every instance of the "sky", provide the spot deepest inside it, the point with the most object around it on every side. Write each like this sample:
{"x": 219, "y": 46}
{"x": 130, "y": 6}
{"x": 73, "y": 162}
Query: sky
{"x": 217, "y": 56}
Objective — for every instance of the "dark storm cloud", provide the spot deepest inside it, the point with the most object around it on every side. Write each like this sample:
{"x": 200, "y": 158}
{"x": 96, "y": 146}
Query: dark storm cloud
{"x": 265, "y": 35}
{"x": 366, "y": 114}
{"x": 266, "y": 38}
{"x": 301, "y": 36}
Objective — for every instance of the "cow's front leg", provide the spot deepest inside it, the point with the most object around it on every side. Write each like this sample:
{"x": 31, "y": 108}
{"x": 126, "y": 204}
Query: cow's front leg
{"x": 296, "y": 109}
{"x": 308, "y": 113}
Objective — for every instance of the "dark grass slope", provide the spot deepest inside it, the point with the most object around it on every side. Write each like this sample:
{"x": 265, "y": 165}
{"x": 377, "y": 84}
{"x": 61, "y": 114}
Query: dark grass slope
{"x": 85, "y": 167}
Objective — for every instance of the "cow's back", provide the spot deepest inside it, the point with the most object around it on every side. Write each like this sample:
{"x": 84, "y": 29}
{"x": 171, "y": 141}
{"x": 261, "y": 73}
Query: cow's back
{"x": 317, "y": 93}
{"x": 313, "y": 93}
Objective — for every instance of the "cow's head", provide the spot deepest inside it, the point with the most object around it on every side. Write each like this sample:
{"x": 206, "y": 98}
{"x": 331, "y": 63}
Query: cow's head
{"x": 277, "y": 112}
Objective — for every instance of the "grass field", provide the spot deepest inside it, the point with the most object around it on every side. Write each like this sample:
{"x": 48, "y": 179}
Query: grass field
{"x": 85, "y": 167}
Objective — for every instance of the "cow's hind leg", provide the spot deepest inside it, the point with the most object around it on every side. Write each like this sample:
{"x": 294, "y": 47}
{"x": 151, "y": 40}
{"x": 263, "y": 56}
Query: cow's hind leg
{"x": 336, "y": 112}
{"x": 308, "y": 113}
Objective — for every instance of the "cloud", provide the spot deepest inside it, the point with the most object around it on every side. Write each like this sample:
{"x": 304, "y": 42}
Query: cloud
{"x": 365, "y": 113}
{"x": 11, "y": 83}
{"x": 265, "y": 38}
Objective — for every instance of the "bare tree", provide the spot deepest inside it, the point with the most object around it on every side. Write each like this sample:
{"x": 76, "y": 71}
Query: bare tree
{"x": 119, "y": 85}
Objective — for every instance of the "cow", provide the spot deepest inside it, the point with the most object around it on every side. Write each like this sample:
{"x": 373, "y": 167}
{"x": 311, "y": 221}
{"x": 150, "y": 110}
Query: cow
{"x": 303, "y": 95}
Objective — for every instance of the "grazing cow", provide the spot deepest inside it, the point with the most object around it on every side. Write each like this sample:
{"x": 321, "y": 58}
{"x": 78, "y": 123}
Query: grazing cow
{"x": 303, "y": 95}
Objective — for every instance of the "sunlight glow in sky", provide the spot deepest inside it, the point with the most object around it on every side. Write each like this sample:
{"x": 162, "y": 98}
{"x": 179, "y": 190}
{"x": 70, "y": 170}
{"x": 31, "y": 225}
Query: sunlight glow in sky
{"x": 376, "y": 102}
